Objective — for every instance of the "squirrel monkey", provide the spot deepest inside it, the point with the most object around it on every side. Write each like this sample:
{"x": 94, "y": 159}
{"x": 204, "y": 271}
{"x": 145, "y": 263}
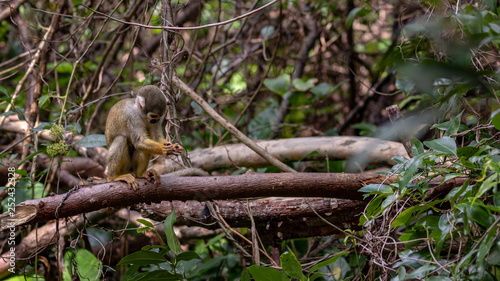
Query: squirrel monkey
{"x": 133, "y": 133}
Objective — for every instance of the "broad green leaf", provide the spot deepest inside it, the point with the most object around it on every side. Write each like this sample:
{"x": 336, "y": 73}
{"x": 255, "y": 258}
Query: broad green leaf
{"x": 186, "y": 256}
{"x": 198, "y": 110}
{"x": 65, "y": 67}
{"x": 41, "y": 127}
{"x": 89, "y": 267}
{"x": 291, "y": 266}
{"x": 260, "y": 273}
{"x": 467, "y": 151}
{"x": 487, "y": 185}
{"x": 481, "y": 215}
{"x": 372, "y": 209}
{"x": 492, "y": 5}
{"x": 445, "y": 144}
{"x": 245, "y": 276}
{"x": 130, "y": 272}
{"x": 405, "y": 84}
{"x": 487, "y": 244}
{"x": 454, "y": 125}
{"x": 146, "y": 222}
{"x": 416, "y": 146}
{"x": 411, "y": 169}
{"x": 155, "y": 275}
{"x": 327, "y": 262}
{"x": 278, "y": 85}
{"x": 322, "y": 89}
{"x": 404, "y": 216}
{"x": 92, "y": 141}
{"x": 143, "y": 258}
{"x": 316, "y": 276}
{"x": 356, "y": 12}
{"x": 267, "y": 31}
{"x": 376, "y": 189}
{"x": 172, "y": 240}
{"x": 302, "y": 85}
{"x": 43, "y": 99}
{"x": 261, "y": 126}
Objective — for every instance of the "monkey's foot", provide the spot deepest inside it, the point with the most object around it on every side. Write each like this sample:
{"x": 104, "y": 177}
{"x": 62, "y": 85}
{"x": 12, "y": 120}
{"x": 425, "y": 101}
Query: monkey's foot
{"x": 171, "y": 148}
{"x": 128, "y": 178}
{"x": 153, "y": 176}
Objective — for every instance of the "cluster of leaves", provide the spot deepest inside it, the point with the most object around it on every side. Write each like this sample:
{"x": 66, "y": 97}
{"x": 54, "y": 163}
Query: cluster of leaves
{"x": 435, "y": 233}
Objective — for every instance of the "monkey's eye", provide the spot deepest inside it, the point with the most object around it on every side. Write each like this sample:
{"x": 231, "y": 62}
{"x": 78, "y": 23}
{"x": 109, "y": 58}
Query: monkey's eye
{"x": 153, "y": 116}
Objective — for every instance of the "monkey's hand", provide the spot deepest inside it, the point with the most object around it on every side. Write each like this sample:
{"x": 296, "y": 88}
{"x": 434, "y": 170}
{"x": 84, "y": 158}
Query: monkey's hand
{"x": 153, "y": 176}
{"x": 128, "y": 178}
{"x": 171, "y": 148}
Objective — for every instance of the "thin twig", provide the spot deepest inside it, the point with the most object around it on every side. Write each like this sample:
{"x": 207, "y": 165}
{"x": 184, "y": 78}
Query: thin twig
{"x": 183, "y": 28}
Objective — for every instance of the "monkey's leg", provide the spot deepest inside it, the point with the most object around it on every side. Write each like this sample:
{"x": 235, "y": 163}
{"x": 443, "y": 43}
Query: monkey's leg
{"x": 119, "y": 162}
{"x": 142, "y": 161}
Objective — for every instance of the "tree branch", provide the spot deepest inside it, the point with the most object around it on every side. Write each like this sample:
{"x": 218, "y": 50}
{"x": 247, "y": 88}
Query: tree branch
{"x": 118, "y": 195}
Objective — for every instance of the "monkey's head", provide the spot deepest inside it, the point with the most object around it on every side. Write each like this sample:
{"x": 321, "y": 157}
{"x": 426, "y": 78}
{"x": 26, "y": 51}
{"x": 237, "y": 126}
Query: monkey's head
{"x": 152, "y": 102}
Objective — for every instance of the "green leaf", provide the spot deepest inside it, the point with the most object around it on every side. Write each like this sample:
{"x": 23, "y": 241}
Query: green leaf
{"x": 291, "y": 266}
{"x": 495, "y": 119}
{"x": 416, "y": 146}
{"x": 41, "y": 127}
{"x": 143, "y": 258}
{"x": 322, "y": 89}
{"x": 89, "y": 267}
{"x": 446, "y": 145}
{"x": 467, "y": 151}
{"x": 454, "y": 125}
{"x": 492, "y": 5}
{"x": 403, "y": 218}
{"x": 356, "y": 12}
{"x": 172, "y": 240}
{"x": 278, "y": 85}
{"x": 411, "y": 168}
{"x": 43, "y": 99}
{"x": 146, "y": 222}
{"x": 65, "y": 67}
{"x": 327, "y": 262}
{"x": 92, "y": 141}
{"x": 486, "y": 185}
{"x": 405, "y": 84}
{"x": 130, "y": 272}
{"x": 267, "y": 31}
{"x": 376, "y": 188}
{"x": 156, "y": 275}
{"x": 302, "y": 85}
{"x": 481, "y": 215}
{"x": 186, "y": 256}
{"x": 260, "y": 273}
{"x": 316, "y": 276}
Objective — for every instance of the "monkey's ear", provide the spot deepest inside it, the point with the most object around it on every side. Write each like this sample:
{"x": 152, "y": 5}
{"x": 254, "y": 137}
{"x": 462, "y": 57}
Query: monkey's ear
{"x": 140, "y": 101}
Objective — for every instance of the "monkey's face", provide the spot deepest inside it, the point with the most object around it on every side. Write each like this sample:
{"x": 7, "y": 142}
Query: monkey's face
{"x": 153, "y": 118}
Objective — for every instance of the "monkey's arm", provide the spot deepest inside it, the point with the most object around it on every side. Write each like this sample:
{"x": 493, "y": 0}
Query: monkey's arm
{"x": 147, "y": 145}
